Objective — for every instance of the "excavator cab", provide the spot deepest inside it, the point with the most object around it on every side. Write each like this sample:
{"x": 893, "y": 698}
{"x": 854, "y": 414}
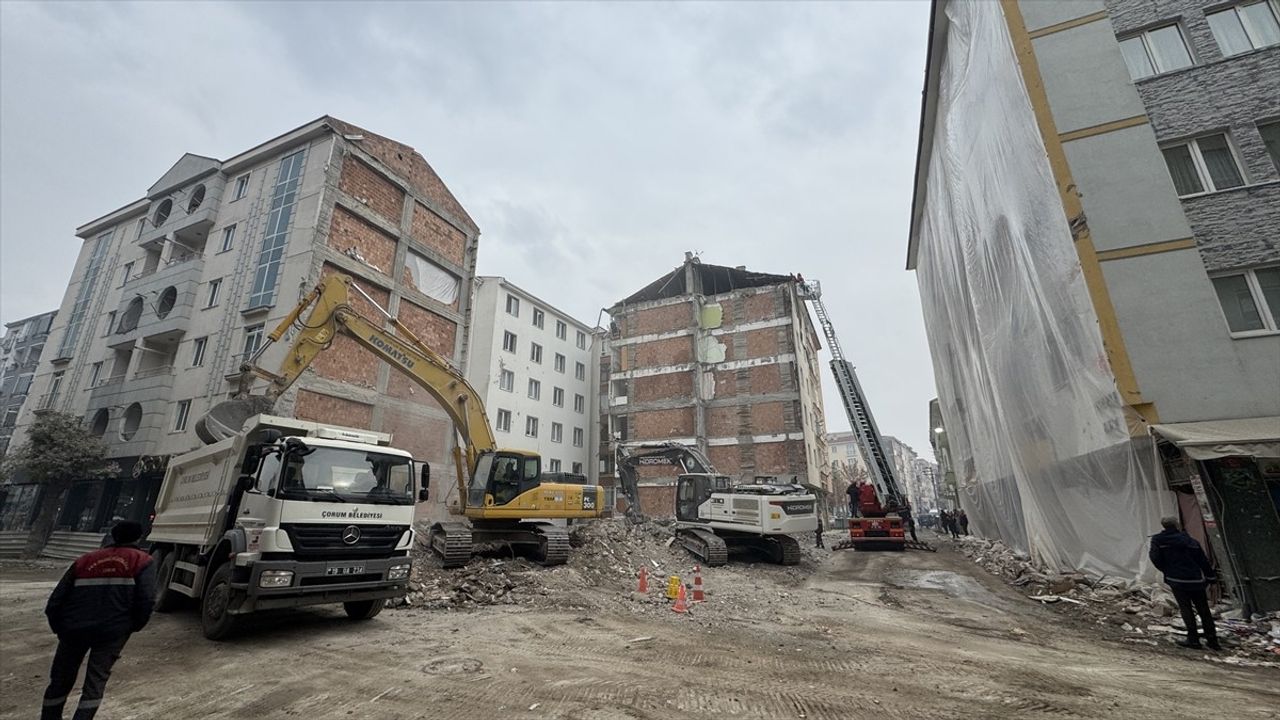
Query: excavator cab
{"x": 693, "y": 490}
{"x": 501, "y": 477}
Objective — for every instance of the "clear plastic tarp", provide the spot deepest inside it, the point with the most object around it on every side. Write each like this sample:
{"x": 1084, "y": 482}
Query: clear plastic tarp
{"x": 432, "y": 280}
{"x": 1041, "y": 449}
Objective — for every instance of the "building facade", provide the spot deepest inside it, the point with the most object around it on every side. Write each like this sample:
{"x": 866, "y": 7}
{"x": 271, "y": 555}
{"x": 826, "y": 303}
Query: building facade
{"x": 20, "y": 350}
{"x": 536, "y": 369}
{"x": 1101, "y": 263}
{"x": 171, "y": 293}
{"x": 720, "y": 358}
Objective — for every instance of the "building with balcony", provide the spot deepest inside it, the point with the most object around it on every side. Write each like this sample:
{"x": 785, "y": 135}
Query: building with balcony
{"x": 20, "y": 351}
{"x": 172, "y": 292}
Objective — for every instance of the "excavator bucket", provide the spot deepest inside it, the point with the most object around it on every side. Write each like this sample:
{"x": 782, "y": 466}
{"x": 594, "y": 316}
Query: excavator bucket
{"x": 227, "y": 418}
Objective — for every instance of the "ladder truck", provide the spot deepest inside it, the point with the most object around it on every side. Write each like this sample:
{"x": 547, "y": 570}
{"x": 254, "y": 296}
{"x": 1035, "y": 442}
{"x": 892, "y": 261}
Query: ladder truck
{"x": 880, "y": 526}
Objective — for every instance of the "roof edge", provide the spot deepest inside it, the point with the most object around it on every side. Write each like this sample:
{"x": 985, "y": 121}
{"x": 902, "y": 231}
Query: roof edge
{"x": 938, "y": 26}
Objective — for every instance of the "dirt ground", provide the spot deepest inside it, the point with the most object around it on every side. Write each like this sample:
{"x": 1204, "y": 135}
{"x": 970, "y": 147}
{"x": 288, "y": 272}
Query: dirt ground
{"x": 846, "y": 635}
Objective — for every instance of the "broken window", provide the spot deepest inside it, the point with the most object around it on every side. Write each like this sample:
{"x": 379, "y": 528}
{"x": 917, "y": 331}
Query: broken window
{"x": 430, "y": 279}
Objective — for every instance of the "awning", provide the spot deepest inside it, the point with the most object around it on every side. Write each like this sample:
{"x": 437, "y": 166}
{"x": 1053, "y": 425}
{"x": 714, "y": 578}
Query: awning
{"x": 1211, "y": 439}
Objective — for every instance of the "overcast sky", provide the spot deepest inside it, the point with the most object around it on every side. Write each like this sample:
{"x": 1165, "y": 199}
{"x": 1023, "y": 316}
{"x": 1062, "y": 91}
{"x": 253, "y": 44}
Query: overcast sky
{"x": 592, "y": 143}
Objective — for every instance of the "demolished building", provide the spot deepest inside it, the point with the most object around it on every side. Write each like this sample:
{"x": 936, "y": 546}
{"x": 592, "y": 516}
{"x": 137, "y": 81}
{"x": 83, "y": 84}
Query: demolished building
{"x": 721, "y": 358}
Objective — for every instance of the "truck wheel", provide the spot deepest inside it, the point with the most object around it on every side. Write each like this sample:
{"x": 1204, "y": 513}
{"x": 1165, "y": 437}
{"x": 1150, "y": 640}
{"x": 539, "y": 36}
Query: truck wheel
{"x": 364, "y": 609}
{"x": 166, "y": 600}
{"x": 215, "y": 620}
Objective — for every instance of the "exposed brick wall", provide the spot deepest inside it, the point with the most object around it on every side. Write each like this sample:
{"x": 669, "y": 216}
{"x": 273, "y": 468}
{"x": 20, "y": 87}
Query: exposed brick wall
{"x": 780, "y": 457}
{"x": 661, "y": 353}
{"x": 345, "y": 360}
{"x": 662, "y": 387}
{"x": 662, "y": 424}
{"x": 656, "y": 320}
{"x": 431, "y": 230}
{"x": 761, "y": 380}
{"x": 658, "y": 501}
{"x": 437, "y": 332}
{"x": 328, "y": 409}
{"x": 425, "y": 437}
{"x": 766, "y": 418}
{"x": 365, "y": 185}
{"x": 763, "y": 306}
{"x": 374, "y": 246}
{"x": 725, "y": 459}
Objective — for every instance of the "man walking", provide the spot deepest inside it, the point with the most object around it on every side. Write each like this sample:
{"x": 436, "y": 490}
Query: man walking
{"x": 904, "y": 512}
{"x": 817, "y": 534}
{"x": 1187, "y": 572}
{"x": 104, "y": 597}
{"x": 964, "y": 522}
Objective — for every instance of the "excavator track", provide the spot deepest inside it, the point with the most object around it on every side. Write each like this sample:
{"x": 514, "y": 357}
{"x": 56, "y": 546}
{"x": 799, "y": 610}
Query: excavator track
{"x": 451, "y": 542}
{"x": 704, "y": 545}
{"x": 553, "y": 546}
{"x": 786, "y": 549}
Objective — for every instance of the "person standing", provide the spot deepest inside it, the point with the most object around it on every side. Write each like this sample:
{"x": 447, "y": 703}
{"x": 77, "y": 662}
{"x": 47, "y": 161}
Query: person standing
{"x": 817, "y": 534}
{"x": 1187, "y": 572}
{"x": 854, "y": 491}
{"x": 964, "y": 523}
{"x": 103, "y": 598}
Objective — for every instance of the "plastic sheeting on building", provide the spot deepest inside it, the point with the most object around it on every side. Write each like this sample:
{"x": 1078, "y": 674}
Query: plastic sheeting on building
{"x": 432, "y": 280}
{"x": 1037, "y": 430}
{"x": 1213, "y": 439}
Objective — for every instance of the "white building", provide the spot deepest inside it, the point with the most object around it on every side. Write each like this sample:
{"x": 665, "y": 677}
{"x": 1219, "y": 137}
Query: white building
{"x": 538, "y": 372}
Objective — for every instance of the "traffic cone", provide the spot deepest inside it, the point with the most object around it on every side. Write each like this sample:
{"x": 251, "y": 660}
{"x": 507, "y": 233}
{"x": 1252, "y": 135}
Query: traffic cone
{"x": 698, "y": 595}
{"x": 673, "y": 587}
{"x": 643, "y": 587}
{"x": 682, "y": 604}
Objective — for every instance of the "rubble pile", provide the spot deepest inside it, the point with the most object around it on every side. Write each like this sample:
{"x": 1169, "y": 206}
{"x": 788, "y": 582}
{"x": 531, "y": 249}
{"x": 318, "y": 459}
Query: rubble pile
{"x": 1141, "y": 613}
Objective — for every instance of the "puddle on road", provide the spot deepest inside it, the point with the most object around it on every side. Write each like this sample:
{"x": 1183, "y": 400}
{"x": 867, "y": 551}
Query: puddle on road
{"x": 956, "y": 585}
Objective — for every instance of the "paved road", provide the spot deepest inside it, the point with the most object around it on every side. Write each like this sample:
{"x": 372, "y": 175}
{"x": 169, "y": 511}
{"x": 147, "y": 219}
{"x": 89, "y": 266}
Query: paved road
{"x": 869, "y": 635}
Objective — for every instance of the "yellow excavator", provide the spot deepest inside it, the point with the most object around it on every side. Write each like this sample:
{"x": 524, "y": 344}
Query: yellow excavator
{"x": 500, "y": 491}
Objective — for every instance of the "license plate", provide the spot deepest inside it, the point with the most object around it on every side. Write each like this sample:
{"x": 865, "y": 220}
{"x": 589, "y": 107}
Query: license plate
{"x": 344, "y": 570}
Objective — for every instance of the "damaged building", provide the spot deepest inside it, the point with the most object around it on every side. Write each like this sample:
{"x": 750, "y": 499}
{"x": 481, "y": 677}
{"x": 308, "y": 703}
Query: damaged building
{"x": 721, "y": 358}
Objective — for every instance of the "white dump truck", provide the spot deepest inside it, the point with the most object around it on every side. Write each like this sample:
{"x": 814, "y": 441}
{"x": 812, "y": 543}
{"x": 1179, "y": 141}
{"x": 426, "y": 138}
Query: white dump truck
{"x": 283, "y": 514}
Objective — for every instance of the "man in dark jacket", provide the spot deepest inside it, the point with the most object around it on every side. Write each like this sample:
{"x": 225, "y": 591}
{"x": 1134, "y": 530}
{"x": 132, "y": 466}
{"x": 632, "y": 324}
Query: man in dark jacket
{"x": 104, "y": 597}
{"x": 1187, "y": 572}
{"x": 963, "y": 521}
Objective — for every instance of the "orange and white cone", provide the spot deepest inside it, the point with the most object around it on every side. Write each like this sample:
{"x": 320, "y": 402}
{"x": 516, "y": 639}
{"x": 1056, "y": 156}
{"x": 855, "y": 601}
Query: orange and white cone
{"x": 682, "y": 603}
{"x": 698, "y": 595}
{"x": 643, "y": 587}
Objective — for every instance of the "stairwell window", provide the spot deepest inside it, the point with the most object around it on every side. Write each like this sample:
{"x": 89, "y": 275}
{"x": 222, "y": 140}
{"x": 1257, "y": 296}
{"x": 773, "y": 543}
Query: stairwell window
{"x": 1205, "y": 164}
{"x": 1247, "y": 26}
{"x": 180, "y": 414}
{"x": 284, "y": 198}
{"x": 1250, "y": 300}
{"x": 503, "y": 422}
{"x": 1155, "y": 51}
{"x": 506, "y": 380}
{"x": 531, "y": 426}
{"x": 509, "y": 341}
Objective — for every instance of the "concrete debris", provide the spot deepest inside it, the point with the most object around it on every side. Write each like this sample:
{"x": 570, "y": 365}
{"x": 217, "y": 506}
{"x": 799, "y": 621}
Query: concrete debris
{"x": 1126, "y": 606}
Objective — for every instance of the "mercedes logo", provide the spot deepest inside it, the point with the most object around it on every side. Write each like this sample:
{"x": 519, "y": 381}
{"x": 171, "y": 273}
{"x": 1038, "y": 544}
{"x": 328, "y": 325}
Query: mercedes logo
{"x": 351, "y": 535}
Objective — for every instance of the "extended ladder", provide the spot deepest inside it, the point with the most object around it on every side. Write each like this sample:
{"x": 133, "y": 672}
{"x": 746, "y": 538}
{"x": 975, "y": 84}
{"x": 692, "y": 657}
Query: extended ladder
{"x": 855, "y": 406}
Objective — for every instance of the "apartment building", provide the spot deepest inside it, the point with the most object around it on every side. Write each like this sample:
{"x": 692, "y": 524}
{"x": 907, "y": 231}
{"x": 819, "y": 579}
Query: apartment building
{"x": 171, "y": 293}
{"x": 536, "y": 368}
{"x": 20, "y": 350}
{"x": 721, "y": 358}
{"x": 1094, "y": 228}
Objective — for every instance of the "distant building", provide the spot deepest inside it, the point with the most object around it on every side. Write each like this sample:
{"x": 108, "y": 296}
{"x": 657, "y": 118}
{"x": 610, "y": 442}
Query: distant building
{"x": 20, "y": 351}
{"x": 722, "y": 358}
{"x": 538, "y": 371}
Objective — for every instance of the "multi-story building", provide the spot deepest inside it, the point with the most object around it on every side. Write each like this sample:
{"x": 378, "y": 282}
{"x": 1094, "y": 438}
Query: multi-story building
{"x": 944, "y": 476}
{"x": 722, "y": 358}
{"x": 536, "y": 369}
{"x": 1094, "y": 231}
{"x": 19, "y": 356}
{"x": 171, "y": 293}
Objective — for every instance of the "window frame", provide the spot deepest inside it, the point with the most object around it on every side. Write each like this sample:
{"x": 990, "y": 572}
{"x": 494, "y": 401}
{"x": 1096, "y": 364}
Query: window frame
{"x": 502, "y": 421}
{"x": 557, "y": 432}
{"x": 514, "y": 344}
{"x": 579, "y": 371}
{"x": 506, "y": 380}
{"x": 95, "y": 374}
{"x": 241, "y": 187}
{"x": 213, "y": 295}
{"x": 1273, "y": 156}
{"x": 553, "y": 465}
{"x": 513, "y": 302}
{"x": 198, "y": 348}
{"x": 557, "y": 392}
{"x": 535, "y": 389}
{"x": 539, "y": 317}
{"x": 562, "y": 330}
{"x": 1143, "y": 37}
{"x": 535, "y": 353}
{"x": 128, "y": 273}
{"x": 579, "y": 437}
{"x": 577, "y": 468}
{"x": 530, "y": 426}
{"x": 228, "y": 238}
{"x": 1245, "y": 24}
{"x": 1201, "y": 168}
{"x": 258, "y": 330}
{"x": 581, "y": 340}
{"x": 579, "y": 403}
{"x": 1270, "y": 323}
{"x": 181, "y": 414}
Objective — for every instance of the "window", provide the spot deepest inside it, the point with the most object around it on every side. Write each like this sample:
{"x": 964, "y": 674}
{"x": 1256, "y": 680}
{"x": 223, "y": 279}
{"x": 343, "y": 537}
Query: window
{"x": 252, "y": 340}
{"x": 557, "y": 432}
{"x": 577, "y": 468}
{"x": 560, "y": 360}
{"x": 162, "y": 213}
{"x": 513, "y": 305}
{"x": 1250, "y": 300}
{"x": 215, "y": 286}
{"x": 180, "y": 414}
{"x": 562, "y": 330}
{"x": 557, "y": 397}
{"x": 1247, "y": 26}
{"x": 531, "y": 426}
{"x": 242, "y": 187}
{"x": 95, "y": 372}
{"x": 582, "y": 340}
{"x": 509, "y": 341}
{"x": 577, "y": 437}
{"x": 128, "y": 273}
{"x": 1271, "y": 136}
{"x": 197, "y": 199}
{"x": 228, "y": 237}
{"x": 197, "y": 351}
{"x": 553, "y": 465}
{"x": 1155, "y": 51}
{"x": 535, "y": 352}
{"x": 55, "y": 385}
{"x": 506, "y": 380}
{"x": 535, "y": 390}
{"x": 11, "y": 417}
{"x": 539, "y": 317}
{"x": 283, "y": 199}
{"x": 111, "y": 323}
{"x": 504, "y": 420}
{"x": 579, "y": 403}
{"x": 1203, "y": 165}
{"x": 84, "y": 295}
{"x": 580, "y": 371}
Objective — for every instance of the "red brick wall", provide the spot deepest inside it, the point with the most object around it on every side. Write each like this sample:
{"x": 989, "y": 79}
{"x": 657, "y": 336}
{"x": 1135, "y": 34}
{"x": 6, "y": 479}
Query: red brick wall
{"x": 661, "y": 353}
{"x": 761, "y": 380}
{"x": 767, "y": 418}
{"x": 658, "y": 501}
{"x": 328, "y": 409}
{"x": 661, "y": 424}
{"x": 662, "y": 387}
{"x": 431, "y": 230}
{"x": 345, "y": 361}
{"x": 655, "y": 320}
{"x": 361, "y": 182}
{"x": 423, "y": 436}
{"x": 725, "y": 459}
{"x": 374, "y": 246}
{"x": 763, "y": 306}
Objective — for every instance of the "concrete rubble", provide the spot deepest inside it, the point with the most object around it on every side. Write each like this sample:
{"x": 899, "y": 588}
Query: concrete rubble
{"x": 1141, "y": 613}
